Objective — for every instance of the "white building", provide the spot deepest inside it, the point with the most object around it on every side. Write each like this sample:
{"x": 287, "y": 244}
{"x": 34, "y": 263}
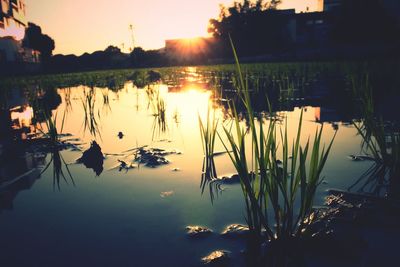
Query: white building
{"x": 12, "y": 31}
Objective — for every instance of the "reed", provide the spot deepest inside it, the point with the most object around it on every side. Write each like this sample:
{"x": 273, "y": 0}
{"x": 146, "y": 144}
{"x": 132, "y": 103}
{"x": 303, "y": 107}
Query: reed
{"x": 159, "y": 107}
{"x": 380, "y": 141}
{"x": 283, "y": 191}
{"x": 91, "y": 117}
{"x": 208, "y": 133}
{"x": 54, "y": 146}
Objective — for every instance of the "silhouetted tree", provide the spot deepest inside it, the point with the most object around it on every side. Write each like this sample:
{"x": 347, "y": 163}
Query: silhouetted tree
{"x": 112, "y": 50}
{"x": 256, "y": 27}
{"x": 150, "y": 58}
{"x": 35, "y": 39}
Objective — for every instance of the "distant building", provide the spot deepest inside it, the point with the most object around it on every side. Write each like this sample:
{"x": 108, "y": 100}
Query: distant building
{"x": 330, "y": 5}
{"x": 12, "y": 31}
{"x": 311, "y": 29}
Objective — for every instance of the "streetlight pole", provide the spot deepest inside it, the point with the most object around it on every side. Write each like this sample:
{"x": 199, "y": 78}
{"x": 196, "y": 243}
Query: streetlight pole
{"x": 133, "y": 37}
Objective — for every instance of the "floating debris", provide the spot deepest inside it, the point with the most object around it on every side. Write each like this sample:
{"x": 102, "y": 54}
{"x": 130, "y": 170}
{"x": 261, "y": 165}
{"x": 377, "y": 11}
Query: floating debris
{"x": 164, "y": 141}
{"x": 93, "y": 158}
{"x": 360, "y": 158}
{"x": 152, "y": 157}
{"x": 167, "y": 194}
{"x": 235, "y": 230}
{"x": 120, "y": 135}
{"x": 176, "y": 169}
{"x": 197, "y": 231}
{"x": 123, "y": 166}
{"x": 217, "y": 258}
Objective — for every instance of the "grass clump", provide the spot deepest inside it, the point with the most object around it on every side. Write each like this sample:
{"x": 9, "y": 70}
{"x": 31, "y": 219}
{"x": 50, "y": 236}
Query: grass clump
{"x": 380, "y": 141}
{"x": 54, "y": 147}
{"x": 208, "y": 133}
{"x": 278, "y": 193}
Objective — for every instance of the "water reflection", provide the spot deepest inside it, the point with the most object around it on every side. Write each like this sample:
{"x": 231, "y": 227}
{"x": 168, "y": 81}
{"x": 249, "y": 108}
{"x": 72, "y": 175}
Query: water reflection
{"x": 113, "y": 117}
{"x": 92, "y": 158}
{"x": 91, "y": 114}
{"x": 141, "y": 127}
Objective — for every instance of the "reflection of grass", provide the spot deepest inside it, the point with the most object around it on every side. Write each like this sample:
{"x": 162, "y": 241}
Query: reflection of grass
{"x": 380, "y": 140}
{"x": 208, "y": 132}
{"x": 67, "y": 99}
{"x": 159, "y": 127}
{"x": 159, "y": 110}
{"x": 90, "y": 115}
{"x": 285, "y": 190}
{"x": 58, "y": 173}
{"x": 54, "y": 146}
{"x": 106, "y": 100}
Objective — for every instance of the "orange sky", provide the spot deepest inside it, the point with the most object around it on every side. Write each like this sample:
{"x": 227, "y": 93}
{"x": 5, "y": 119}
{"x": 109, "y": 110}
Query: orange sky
{"x": 80, "y": 26}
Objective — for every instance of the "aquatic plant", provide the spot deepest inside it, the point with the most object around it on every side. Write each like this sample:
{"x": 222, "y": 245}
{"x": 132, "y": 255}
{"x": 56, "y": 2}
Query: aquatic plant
{"x": 53, "y": 147}
{"x": 159, "y": 107}
{"x": 208, "y": 133}
{"x": 380, "y": 141}
{"x": 91, "y": 117}
{"x": 284, "y": 188}
{"x": 106, "y": 100}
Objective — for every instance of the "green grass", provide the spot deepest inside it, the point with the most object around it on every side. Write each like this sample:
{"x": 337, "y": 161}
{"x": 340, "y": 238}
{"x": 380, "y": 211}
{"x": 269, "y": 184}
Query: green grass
{"x": 286, "y": 191}
{"x": 208, "y": 133}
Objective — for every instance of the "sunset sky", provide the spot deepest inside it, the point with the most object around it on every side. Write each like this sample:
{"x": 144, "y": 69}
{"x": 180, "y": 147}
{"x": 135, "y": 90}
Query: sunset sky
{"x": 79, "y": 26}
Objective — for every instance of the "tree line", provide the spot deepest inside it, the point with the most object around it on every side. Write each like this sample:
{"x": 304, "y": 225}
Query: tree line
{"x": 256, "y": 27}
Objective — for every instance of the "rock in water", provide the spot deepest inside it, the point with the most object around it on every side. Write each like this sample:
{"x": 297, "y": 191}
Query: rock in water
{"x": 93, "y": 158}
{"x": 167, "y": 194}
{"x": 235, "y": 230}
{"x": 197, "y": 231}
{"x": 217, "y": 258}
{"x": 234, "y": 179}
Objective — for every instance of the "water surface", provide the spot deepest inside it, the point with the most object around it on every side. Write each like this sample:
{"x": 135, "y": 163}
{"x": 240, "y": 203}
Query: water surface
{"x": 137, "y": 217}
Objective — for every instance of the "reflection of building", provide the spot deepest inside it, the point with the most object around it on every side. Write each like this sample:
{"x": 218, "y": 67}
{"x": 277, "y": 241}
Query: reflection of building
{"x": 323, "y": 114}
{"x": 24, "y": 174}
{"x": 12, "y": 30}
{"x": 12, "y": 19}
{"x": 17, "y": 167}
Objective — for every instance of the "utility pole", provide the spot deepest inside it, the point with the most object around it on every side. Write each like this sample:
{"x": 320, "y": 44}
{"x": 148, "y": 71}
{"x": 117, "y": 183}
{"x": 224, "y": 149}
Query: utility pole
{"x": 133, "y": 37}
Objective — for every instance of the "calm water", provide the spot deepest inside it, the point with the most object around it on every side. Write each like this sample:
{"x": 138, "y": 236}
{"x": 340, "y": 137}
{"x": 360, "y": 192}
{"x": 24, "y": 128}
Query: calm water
{"x": 137, "y": 217}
